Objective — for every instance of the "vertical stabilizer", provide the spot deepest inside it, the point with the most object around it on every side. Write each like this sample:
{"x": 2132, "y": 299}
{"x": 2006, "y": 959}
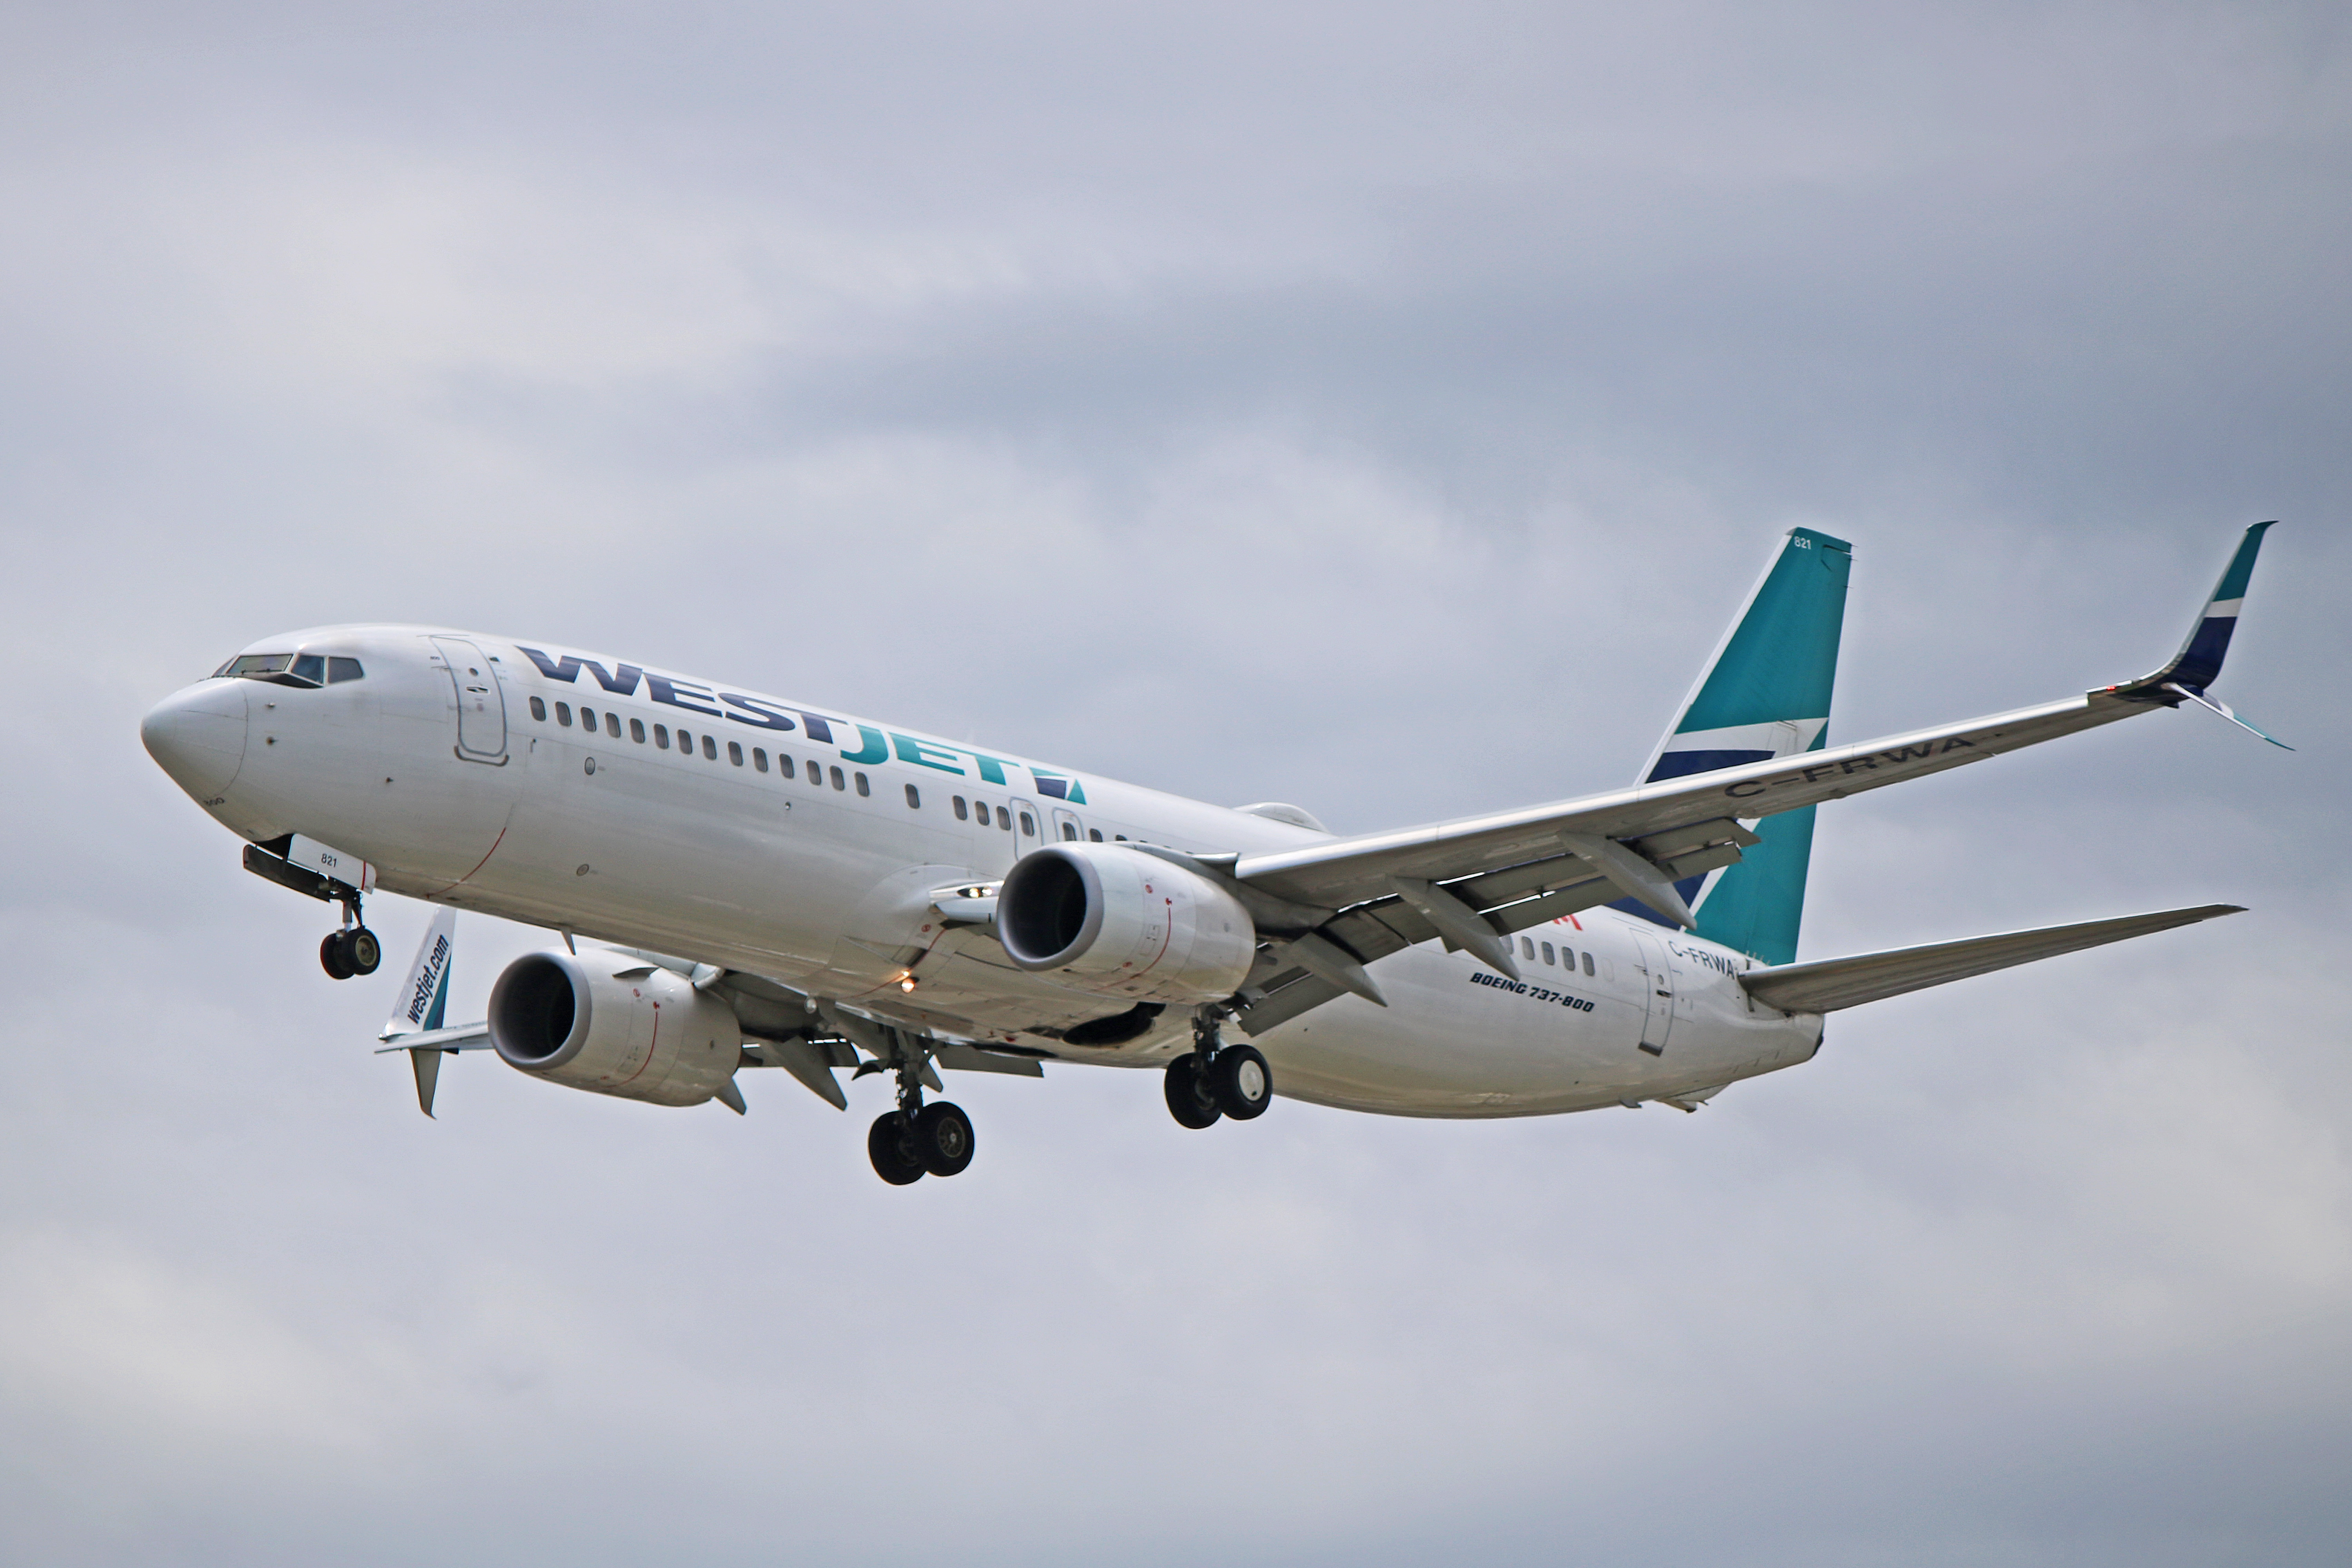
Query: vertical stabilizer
{"x": 1765, "y": 694}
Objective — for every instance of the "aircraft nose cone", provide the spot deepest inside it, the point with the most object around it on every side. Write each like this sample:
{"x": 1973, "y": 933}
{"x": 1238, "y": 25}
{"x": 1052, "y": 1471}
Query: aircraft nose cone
{"x": 197, "y": 736}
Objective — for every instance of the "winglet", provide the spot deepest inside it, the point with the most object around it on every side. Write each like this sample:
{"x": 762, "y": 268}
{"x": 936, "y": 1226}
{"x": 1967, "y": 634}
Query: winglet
{"x": 424, "y": 999}
{"x": 428, "y": 1063}
{"x": 424, "y": 1002}
{"x": 2198, "y": 662}
{"x": 2204, "y": 700}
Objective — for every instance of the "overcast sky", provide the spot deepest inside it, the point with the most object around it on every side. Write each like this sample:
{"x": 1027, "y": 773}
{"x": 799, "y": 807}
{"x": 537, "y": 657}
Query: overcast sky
{"x": 1379, "y": 407}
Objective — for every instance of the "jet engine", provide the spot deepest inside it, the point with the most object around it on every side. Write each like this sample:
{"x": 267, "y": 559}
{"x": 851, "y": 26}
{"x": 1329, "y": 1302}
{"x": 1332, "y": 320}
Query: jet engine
{"x": 1115, "y": 921}
{"x": 613, "y": 1023}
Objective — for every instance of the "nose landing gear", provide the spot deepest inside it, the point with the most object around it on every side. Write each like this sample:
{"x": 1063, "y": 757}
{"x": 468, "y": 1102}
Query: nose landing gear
{"x": 352, "y": 950}
{"x": 1215, "y": 1080}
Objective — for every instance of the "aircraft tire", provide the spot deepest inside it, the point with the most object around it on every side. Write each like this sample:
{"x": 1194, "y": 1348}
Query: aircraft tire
{"x": 364, "y": 951}
{"x": 943, "y": 1136}
{"x": 1189, "y": 1100}
{"x": 335, "y": 956}
{"x": 887, "y": 1146}
{"x": 1242, "y": 1082}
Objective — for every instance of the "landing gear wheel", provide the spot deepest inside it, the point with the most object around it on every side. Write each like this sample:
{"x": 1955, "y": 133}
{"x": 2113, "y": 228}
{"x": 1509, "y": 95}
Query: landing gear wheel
{"x": 1189, "y": 1098}
{"x": 1241, "y": 1081}
{"x": 894, "y": 1154}
{"x": 335, "y": 955}
{"x": 943, "y": 1137}
{"x": 362, "y": 949}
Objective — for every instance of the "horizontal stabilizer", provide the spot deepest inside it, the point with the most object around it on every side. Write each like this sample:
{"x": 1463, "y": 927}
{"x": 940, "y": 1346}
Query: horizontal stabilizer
{"x": 456, "y": 1038}
{"x": 1836, "y": 983}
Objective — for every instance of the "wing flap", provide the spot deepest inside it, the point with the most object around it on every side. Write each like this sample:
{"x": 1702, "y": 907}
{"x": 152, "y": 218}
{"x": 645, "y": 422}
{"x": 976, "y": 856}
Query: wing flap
{"x": 1836, "y": 983}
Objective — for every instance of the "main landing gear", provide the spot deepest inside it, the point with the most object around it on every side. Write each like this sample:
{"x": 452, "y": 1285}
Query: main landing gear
{"x": 1215, "y": 1080}
{"x": 917, "y": 1140}
{"x": 352, "y": 950}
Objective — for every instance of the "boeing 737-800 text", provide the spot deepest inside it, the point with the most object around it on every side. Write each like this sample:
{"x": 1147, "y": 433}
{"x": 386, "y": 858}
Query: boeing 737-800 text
{"x": 763, "y": 881}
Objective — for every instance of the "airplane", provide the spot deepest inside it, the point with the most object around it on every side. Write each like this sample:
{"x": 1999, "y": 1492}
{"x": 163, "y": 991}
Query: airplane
{"x": 744, "y": 881}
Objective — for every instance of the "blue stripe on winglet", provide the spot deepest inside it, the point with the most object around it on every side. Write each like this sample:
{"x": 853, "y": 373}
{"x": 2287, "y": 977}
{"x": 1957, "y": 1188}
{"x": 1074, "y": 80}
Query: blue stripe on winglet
{"x": 2241, "y": 565}
{"x": 2198, "y": 662}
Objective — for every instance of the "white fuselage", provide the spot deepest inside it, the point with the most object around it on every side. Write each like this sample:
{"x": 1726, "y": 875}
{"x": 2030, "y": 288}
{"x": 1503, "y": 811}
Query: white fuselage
{"x": 449, "y": 767}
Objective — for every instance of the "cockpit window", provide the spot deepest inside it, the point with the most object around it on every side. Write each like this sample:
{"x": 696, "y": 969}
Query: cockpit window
{"x": 305, "y": 669}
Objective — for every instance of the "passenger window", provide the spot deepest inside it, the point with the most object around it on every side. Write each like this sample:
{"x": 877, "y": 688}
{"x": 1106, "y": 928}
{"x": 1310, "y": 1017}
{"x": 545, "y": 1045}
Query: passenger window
{"x": 1527, "y": 947}
{"x": 1547, "y": 952}
{"x": 861, "y": 785}
{"x": 784, "y": 765}
{"x": 710, "y": 750}
{"x": 838, "y": 782}
{"x": 637, "y": 730}
{"x": 539, "y": 709}
{"x": 963, "y": 812}
{"x": 1094, "y": 834}
{"x": 588, "y": 720}
{"x": 312, "y": 668}
{"x": 735, "y": 753}
{"x": 914, "y": 799}
{"x": 1118, "y": 837}
{"x": 760, "y": 759}
{"x": 661, "y": 736}
{"x": 564, "y": 714}
{"x": 1587, "y": 963}
{"x": 1028, "y": 826}
{"x": 341, "y": 669}
{"x": 685, "y": 743}
{"x": 1005, "y": 819}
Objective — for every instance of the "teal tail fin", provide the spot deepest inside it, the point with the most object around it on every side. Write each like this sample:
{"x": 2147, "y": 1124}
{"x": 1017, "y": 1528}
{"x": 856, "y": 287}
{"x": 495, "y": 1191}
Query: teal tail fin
{"x": 1765, "y": 694}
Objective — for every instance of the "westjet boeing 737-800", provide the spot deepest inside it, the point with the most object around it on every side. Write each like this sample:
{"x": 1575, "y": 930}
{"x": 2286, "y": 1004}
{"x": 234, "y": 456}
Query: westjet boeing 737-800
{"x": 761, "y": 881}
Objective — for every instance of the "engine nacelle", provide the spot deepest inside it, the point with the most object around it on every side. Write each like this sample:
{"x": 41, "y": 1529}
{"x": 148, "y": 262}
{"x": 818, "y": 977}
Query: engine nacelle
{"x": 610, "y": 1023}
{"x": 1119, "y": 922}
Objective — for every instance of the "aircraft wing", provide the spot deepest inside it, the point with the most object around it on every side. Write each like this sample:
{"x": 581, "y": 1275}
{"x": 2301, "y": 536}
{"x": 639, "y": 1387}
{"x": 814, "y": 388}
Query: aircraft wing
{"x": 1331, "y": 908}
{"x": 1696, "y": 810}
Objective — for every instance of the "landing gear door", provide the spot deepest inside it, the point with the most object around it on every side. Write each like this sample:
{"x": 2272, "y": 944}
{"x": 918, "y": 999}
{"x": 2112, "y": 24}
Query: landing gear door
{"x": 481, "y": 705}
{"x": 1657, "y": 994}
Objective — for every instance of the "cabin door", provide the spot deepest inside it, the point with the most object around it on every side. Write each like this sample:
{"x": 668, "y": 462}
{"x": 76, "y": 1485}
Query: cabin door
{"x": 1657, "y": 994}
{"x": 481, "y": 705}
